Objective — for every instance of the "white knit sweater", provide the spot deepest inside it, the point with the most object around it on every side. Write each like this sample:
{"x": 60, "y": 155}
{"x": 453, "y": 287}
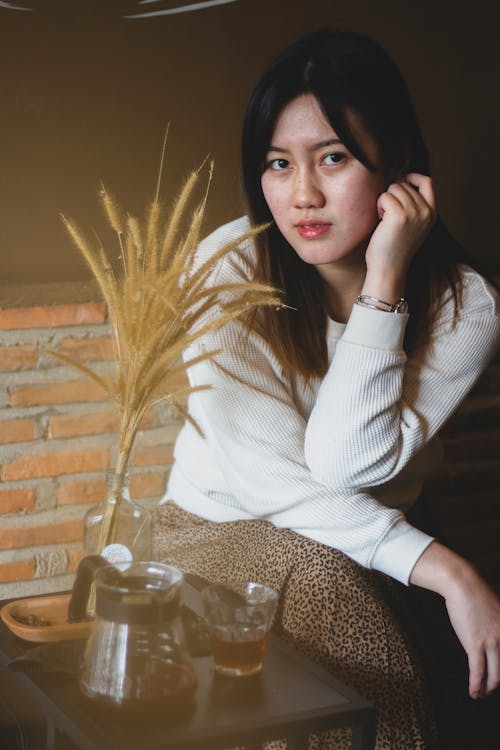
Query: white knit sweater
{"x": 338, "y": 461}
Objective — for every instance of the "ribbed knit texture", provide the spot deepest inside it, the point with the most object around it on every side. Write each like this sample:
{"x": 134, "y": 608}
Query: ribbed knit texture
{"x": 304, "y": 457}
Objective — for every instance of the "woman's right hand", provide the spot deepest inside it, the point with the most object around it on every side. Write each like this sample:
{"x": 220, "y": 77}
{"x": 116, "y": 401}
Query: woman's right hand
{"x": 407, "y": 211}
{"x": 473, "y": 609}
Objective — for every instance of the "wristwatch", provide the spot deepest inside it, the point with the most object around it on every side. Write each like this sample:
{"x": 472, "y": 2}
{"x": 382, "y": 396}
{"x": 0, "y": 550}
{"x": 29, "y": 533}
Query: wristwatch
{"x": 400, "y": 307}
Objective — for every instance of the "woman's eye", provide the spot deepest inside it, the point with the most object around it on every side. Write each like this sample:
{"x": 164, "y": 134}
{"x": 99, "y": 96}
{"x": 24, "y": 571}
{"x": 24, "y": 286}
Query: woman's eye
{"x": 279, "y": 164}
{"x": 335, "y": 158}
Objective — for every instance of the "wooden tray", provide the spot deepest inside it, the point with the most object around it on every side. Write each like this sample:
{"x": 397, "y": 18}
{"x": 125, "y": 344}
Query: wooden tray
{"x": 54, "y": 609}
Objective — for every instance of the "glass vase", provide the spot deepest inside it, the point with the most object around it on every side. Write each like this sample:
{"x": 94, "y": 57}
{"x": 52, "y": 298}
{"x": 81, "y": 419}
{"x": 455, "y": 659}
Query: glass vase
{"x": 129, "y": 536}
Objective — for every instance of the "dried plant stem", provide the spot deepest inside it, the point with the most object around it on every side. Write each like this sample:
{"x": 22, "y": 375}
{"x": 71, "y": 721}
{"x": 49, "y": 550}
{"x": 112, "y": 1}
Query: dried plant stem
{"x": 163, "y": 300}
{"x": 107, "y": 532}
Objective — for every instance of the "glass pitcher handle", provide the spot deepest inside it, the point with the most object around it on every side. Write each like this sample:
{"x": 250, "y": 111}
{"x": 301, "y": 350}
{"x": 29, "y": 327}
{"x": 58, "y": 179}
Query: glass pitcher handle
{"x": 85, "y": 574}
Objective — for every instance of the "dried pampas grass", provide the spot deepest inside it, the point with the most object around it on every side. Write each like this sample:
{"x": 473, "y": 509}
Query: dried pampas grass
{"x": 157, "y": 306}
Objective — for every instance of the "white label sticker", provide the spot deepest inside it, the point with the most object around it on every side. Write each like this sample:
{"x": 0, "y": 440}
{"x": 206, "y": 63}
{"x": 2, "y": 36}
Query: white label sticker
{"x": 116, "y": 553}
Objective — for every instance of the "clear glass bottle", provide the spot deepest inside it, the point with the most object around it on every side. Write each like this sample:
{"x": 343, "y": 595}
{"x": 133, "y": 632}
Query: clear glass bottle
{"x": 132, "y": 535}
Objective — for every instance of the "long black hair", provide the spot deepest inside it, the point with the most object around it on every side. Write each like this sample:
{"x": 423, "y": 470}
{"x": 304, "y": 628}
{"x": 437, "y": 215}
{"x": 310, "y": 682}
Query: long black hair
{"x": 347, "y": 73}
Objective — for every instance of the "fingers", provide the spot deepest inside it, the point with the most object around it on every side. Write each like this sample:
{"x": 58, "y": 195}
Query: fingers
{"x": 493, "y": 662}
{"x": 385, "y": 202}
{"x": 484, "y": 671}
{"x": 477, "y": 673}
{"x": 424, "y": 186}
{"x": 415, "y": 193}
{"x": 403, "y": 200}
{"x": 406, "y": 195}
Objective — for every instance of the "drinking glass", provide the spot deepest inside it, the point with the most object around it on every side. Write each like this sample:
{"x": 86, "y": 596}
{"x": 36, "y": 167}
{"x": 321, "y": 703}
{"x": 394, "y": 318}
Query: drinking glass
{"x": 239, "y": 616}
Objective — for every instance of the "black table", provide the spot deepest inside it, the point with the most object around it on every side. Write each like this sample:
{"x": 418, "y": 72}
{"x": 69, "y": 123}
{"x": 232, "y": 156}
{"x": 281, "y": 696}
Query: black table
{"x": 291, "y": 698}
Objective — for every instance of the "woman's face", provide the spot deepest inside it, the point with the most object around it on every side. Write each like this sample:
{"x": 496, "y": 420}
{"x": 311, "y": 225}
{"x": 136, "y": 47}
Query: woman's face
{"x": 322, "y": 198}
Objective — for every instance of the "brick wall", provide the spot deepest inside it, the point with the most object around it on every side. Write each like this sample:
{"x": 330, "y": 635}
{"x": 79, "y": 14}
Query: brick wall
{"x": 58, "y": 435}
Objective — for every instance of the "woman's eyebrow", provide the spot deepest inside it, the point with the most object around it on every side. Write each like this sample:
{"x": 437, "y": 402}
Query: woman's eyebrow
{"x": 313, "y": 147}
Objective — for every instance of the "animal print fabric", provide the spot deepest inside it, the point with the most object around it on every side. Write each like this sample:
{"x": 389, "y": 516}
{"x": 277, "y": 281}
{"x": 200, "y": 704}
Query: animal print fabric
{"x": 330, "y": 608}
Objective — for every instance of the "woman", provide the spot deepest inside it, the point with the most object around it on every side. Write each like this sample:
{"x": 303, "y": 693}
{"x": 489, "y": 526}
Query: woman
{"x": 319, "y": 429}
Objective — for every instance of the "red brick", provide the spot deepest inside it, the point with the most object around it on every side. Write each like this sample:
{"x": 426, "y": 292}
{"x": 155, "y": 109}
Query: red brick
{"x": 88, "y": 349}
{"x": 82, "y": 491}
{"x": 147, "y": 485}
{"x": 64, "y": 392}
{"x": 160, "y": 455}
{"x": 22, "y": 570}
{"x": 52, "y": 316}
{"x": 95, "y": 423}
{"x": 53, "y": 464}
{"x": 17, "y": 430}
{"x": 12, "y": 501}
{"x": 74, "y": 557}
{"x": 33, "y": 536}
{"x": 18, "y": 357}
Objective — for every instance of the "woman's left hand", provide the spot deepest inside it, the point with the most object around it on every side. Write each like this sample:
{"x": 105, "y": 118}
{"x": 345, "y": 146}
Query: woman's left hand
{"x": 407, "y": 211}
{"x": 474, "y": 612}
{"x": 473, "y": 608}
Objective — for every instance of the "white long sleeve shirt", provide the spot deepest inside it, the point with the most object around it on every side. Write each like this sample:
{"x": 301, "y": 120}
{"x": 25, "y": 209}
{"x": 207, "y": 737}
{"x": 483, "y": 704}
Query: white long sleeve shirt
{"x": 341, "y": 459}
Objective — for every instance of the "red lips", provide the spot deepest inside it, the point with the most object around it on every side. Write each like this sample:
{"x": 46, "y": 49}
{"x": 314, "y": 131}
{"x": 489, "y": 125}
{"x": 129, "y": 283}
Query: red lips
{"x": 311, "y": 229}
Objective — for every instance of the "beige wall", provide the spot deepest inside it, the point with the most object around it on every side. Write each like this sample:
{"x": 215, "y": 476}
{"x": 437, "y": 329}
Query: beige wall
{"x": 85, "y": 95}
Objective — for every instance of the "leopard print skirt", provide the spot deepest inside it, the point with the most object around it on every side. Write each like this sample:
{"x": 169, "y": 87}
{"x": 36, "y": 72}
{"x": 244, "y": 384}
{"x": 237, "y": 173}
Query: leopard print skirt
{"x": 330, "y": 608}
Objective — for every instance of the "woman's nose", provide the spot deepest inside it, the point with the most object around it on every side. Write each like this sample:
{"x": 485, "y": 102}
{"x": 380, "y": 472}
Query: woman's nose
{"x": 307, "y": 193}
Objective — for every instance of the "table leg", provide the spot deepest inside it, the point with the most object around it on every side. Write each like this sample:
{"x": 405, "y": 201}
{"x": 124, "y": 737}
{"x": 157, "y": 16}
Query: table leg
{"x": 51, "y": 734}
{"x": 298, "y": 741}
{"x": 363, "y": 736}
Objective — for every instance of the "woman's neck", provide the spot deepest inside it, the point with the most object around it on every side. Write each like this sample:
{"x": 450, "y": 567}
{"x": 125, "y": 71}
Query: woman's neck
{"x": 343, "y": 282}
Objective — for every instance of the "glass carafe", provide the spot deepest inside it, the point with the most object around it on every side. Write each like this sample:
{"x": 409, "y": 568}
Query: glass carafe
{"x": 136, "y": 661}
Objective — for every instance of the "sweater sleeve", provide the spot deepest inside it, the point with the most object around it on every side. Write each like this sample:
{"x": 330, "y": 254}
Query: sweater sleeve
{"x": 376, "y": 409}
{"x": 257, "y": 437}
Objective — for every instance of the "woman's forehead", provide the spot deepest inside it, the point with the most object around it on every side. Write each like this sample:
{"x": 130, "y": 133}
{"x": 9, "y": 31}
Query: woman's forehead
{"x": 303, "y": 119}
